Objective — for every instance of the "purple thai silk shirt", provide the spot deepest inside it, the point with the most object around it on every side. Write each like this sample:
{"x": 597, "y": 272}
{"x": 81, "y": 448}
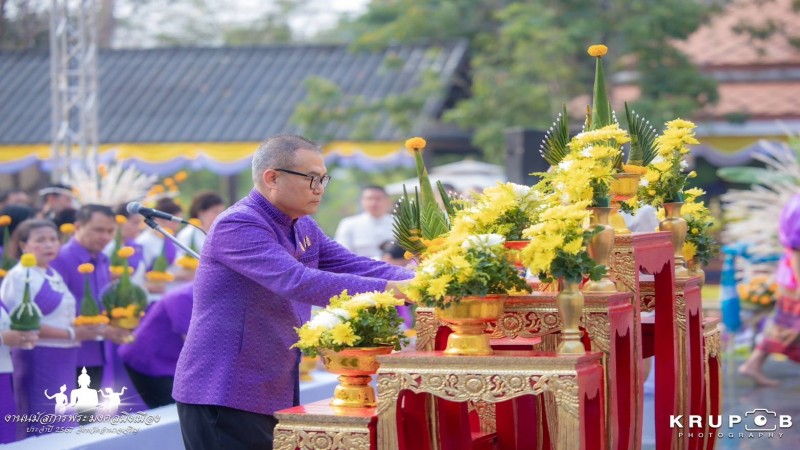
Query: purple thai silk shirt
{"x": 71, "y": 255}
{"x": 789, "y": 234}
{"x": 255, "y": 265}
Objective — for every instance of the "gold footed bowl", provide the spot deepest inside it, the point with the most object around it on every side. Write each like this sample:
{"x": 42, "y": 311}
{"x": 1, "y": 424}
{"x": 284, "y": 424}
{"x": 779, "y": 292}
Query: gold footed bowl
{"x": 355, "y": 367}
{"x": 307, "y": 364}
{"x": 468, "y": 319}
{"x": 623, "y": 188}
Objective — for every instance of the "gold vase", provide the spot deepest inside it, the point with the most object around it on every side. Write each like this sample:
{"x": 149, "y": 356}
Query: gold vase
{"x": 307, "y": 364}
{"x": 513, "y": 255}
{"x": 695, "y": 268}
{"x": 600, "y": 248}
{"x": 623, "y": 188}
{"x": 468, "y": 318}
{"x": 675, "y": 224}
{"x": 570, "y": 306}
{"x": 354, "y": 366}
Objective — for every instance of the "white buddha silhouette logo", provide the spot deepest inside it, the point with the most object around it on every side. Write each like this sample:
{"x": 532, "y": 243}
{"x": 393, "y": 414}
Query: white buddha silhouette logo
{"x": 83, "y": 399}
{"x": 112, "y": 400}
{"x": 61, "y": 400}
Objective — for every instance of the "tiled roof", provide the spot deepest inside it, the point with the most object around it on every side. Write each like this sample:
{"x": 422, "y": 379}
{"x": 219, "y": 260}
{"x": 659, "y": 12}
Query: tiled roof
{"x": 718, "y": 43}
{"x": 216, "y": 94}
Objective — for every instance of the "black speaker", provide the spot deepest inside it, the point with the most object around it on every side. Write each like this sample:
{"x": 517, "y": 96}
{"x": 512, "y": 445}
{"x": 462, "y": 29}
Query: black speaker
{"x": 522, "y": 155}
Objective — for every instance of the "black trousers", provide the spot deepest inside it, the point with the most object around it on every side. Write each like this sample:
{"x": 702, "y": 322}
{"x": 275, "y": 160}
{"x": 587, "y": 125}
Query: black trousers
{"x": 210, "y": 427}
{"x": 155, "y": 391}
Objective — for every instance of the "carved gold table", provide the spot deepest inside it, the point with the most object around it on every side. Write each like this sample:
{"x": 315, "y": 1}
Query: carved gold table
{"x": 713, "y": 384}
{"x": 318, "y": 426}
{"x": 652, "y": 253}
{"x": 576, "y": 382}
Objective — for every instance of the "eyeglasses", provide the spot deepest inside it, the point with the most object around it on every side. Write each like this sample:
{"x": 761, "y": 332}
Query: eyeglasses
{"x": 316, "y": 180}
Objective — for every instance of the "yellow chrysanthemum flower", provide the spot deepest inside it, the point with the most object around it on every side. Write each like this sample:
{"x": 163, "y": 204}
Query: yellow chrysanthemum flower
{"x": 121, "y": 220}
{"x": 630, "y": 168}
{"x": 689, "y": 250}
{"x": 67, "y": 228}
{"x": 416, "y": 144}
{"x": 28, "y": 260}
{"x": 196, "y": 222}
{"x": 126, "y": 252}
{"x": 86, "y": 268}
{"x": 309, "y": 337}
{"x": 597, "y": 50}
{"x": 5, "y": 220}
{"x": 343, "y": 334}
{"x": 408, "y": 255}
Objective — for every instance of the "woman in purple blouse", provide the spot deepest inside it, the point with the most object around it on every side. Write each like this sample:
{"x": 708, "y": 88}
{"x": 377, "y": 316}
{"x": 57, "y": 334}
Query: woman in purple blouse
{"x": 783, "y": 334}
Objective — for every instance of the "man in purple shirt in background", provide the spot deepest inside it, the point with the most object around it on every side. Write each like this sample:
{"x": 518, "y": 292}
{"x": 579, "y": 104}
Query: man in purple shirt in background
{"x": 94, "y": 229}
{"x": 261, "y": 256}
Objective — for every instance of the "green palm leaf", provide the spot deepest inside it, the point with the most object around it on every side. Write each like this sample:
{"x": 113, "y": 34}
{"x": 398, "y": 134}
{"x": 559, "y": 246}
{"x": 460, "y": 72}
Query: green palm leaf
{"x": 554, "y": 147}
{"x": 643, "y": 137}
{"x": 407, "y": 227}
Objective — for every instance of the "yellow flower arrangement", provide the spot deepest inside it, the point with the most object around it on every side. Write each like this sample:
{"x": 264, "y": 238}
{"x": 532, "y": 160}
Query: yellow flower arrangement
{"x": 67, "y": 229}
{"x": 664, "y": 180}
{"x": 760, "y": 292}
{"x": 26, "y": 316}
{"x": 701, "y": 225}
{"x": 90, "y": 314}
{"x": 503, "y": 209}
{"x": 464, "y": 266}
{"x": 124, "y": 295}
{"x": 368, "y": 319}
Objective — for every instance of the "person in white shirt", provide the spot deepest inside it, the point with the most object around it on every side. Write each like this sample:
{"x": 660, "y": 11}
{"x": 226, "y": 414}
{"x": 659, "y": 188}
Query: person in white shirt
{"x": 364, "y": 233}
{"x": 9, "y": 339}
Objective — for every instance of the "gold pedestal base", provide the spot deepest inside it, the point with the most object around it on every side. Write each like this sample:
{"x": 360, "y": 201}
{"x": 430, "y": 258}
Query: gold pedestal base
{"x": 468, "y": 339}
{"x": 354, "y": 391}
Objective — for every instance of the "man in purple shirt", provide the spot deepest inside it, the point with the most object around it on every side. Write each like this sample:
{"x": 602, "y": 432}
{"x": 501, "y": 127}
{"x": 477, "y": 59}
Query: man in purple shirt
{"x": 261, "y": 256}
{"x": 94, "y": 229}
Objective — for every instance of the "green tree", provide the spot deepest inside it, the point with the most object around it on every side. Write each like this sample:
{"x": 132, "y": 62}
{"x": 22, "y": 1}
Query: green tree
{"x": 529, "y": 57}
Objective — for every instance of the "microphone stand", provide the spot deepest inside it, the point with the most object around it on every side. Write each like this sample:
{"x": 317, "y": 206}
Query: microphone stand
{"x": 152, "y": 224}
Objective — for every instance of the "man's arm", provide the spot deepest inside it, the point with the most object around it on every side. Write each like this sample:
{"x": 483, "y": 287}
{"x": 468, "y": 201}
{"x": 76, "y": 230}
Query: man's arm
{"x": 334, "y": 257}
{"x": 251, "y": 249}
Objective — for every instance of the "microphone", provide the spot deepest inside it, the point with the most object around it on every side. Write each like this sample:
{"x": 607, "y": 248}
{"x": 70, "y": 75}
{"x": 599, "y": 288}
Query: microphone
{"x": 137, "y": 208}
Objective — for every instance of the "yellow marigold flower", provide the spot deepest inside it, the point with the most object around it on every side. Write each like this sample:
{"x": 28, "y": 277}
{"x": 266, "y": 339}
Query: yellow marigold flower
{"x": 102, "y": 170}
{"x": 159, "y": 277}
{"x": 187, "y": 262}
{"x": 408, "y": 255}
{"x": 169, "y": 181}
{"x": 86, "y": 268}
{"x": 416, "y": 144}
{"x": 631, "y": 168}
{"x": 196, "y": 222}
{"x": 692, "y": 174}
{"x": 67, "y": 228}
{"x": 5, "y": 220}
{"x": 157, "y": 189}
{"x": 121, "y": 220}
{"x": 343, "y": 334}
{"x": 181, "y": 176}
{"x": 126, "y": 252}
{"x": 597, "y": 50}
{"x": 689, "y": 250}
{"x": 28, "y": 260}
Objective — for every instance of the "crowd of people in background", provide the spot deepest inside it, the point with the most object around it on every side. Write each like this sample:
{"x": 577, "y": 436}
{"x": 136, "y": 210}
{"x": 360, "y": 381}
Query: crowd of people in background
{"x": 53, "y": 369}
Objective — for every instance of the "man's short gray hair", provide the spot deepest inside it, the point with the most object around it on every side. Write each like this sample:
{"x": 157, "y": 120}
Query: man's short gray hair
{"x": 278, "y": 152}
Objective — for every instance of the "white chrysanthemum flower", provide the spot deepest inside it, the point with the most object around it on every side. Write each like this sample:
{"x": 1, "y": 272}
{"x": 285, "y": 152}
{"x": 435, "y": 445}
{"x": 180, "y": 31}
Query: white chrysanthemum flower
{"x": 483, "y": 241}
{"x": 643, "y": 182}
{"x": 327, "y": 320}
{"x": 658, "y": 159}
{"x": 684, "y": 165}
{"x": 565, "y": 165}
